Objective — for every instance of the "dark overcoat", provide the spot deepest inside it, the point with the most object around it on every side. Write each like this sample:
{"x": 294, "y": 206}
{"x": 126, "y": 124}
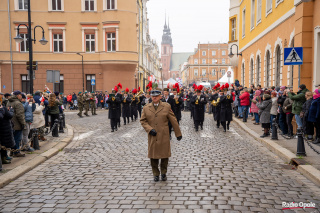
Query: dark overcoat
{"x": 176, "y": 105}
{"x": 113, "y": 107}
{"x": 134, "y": 107}
{"x": 126, "y": 107}
{"x": 199, "y": 108}
{"x": 118, "y": 95}
{"x": 6, "y": 131}
{"x": 226, "y": 108}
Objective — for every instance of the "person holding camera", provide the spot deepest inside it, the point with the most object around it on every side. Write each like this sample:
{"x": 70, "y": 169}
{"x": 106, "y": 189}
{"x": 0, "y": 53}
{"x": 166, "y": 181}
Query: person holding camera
{"x": 154, "y": 119}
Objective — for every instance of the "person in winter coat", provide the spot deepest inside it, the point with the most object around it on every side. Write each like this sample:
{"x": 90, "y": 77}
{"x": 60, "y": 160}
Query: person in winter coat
{"x": 18, "y": 120}
{"x": 287, "y": 109}
{"x": 314, "y": 114}
{"x": 254, "y": 109}
{"x": 6, "y": 133}
{"x": 274, "y": 108}
{"x": 38, "y": 119}
{"x": 245, "y": 102}
{"x": 298, "y": 101}
{"x": 126, "y": 108}
{"x": 69, "y": 100}
{"x": 282, "y": 116}
{"x": 308, "y": 128}
{"x": 264, "y": 111}
{"x": 54, "y": 111}
{"x": 226, "y": 111}
{"x": 29, "y": 107}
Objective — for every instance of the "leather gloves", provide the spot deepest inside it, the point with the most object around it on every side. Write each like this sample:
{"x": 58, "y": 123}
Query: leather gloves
{"x": 153, "y": 132}
{"x": 179, "y": 138}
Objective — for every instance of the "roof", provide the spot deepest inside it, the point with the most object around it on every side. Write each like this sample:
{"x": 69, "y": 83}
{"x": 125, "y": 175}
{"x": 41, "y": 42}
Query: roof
{"x": 177, "y": 59}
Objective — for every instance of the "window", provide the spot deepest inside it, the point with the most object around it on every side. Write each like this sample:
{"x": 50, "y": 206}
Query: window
{"x": 223, "y": 61}
{"x": 213, "y": 72}
{"x": 203, "y": 61}
{"x": 90, "y": 87}
{"x": 204, "y": 72}
{"x": 90, "y": 43}
{"x": 267, "y": 74}
{"x": 204, "y": 53}
{"x": 195, "y": 72}
{"x": 195, "y": 61}
{"x": 278, "y": 66}
{"x": 253, "y": 9}
{"x": 23, "y": 4}
{"x": 259, "y": 11}
{"x": 233, "y": 29}
{"x": 268, "y": 7}
{"x": 214, "y": 61}
{"x": 251, "y": 71}
{"x": 56, "y": 4}
{"x": 89, "y": 5}
{"x": 223, "y": 52}
{"x": 57, "y": 43}
{"x": 278, "y": 2}
{"x": 214, "y": 53}
{"x": 25, "y": 83}
{"x": 223, "y": 72}
{"x": 59, "y": 87}
{"x": 244, "y": 23}
{"x": 111, "y": 42}
{"x": 164, "y": 50}
{"x": 24, "y": 45}
{"x": 111, "y": 4}
{"x": 258, "y": 71}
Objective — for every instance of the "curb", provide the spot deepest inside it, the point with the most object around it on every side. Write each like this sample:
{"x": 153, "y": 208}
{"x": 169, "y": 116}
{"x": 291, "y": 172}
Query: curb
{"x": 308, "y": 171}
{"x": 24, "y": 168}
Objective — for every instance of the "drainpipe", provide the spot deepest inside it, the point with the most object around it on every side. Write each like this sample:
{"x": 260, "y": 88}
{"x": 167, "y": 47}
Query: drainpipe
{"x": 142, "y": 48}
{"x": 10, "y": 41}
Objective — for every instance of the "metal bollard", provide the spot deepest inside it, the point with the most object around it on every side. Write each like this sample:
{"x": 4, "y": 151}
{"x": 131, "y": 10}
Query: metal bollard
{"x": 35, "y": 139}
{"x": 61, "y": 123}
{"x": 55, "y": 132}
{"x": 64, "y": 120}
{"x": 274, "y": 135}
{"x": 245, "y": 111}
{"x": 300, "y": 146}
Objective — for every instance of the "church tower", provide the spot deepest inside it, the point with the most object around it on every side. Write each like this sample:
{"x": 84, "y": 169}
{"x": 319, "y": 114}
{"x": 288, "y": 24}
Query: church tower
{"x": 166, "y": 50}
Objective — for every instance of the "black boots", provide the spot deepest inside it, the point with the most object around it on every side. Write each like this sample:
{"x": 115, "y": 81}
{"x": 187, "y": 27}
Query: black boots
{"x": 156, "y": 178}
{"x": 164, "y": 177}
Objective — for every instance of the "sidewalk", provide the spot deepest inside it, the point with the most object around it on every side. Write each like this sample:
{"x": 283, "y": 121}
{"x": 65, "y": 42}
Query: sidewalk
{"x": 48, "y": 148}
{"x": 286, "y": 149}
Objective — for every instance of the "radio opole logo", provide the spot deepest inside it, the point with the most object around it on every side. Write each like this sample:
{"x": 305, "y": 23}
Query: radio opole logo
{"x": 300, "y": 205}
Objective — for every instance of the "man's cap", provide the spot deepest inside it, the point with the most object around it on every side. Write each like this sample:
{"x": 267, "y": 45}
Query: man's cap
{"x": 302, "y": 86}
{"x": 155, "y": 92}
{"x": 17, "y": 92}
{"x": 79, "y": 93}
{"x": 23, "y": 96}
{"x": 174, "y": 89}
{"x": 166, "y": 89}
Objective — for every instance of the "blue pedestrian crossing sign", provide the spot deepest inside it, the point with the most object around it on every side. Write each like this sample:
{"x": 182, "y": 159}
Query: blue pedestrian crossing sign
{"x": 293, "y": 56}
{"x": 93, "y": 82}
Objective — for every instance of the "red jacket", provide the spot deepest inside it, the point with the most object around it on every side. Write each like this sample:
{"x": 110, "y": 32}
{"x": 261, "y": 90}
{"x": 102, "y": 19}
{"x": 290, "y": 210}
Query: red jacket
{"x": 245, "y": 99}
{"x": 69, "y": 98}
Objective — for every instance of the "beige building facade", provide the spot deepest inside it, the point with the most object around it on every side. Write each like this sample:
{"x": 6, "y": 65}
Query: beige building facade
{"x": 104, "y": 32}
{"x": 208, "y": 63}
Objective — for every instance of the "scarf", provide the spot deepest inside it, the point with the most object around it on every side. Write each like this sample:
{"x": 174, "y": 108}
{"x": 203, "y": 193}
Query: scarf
{"x": 317, "y": 95}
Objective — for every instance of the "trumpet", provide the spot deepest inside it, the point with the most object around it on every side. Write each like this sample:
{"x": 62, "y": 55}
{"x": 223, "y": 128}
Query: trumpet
{"x": 197, "y": 101}
{"x": 113, "y": 98}
{"x": 125, "y": 100}
{"x": 228, "y": 97}
{"x": 214, "y": 103}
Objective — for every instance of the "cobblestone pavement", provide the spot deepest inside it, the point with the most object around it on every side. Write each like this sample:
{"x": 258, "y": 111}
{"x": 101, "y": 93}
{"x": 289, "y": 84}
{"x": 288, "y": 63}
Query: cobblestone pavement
{"x": 210, "y": 171}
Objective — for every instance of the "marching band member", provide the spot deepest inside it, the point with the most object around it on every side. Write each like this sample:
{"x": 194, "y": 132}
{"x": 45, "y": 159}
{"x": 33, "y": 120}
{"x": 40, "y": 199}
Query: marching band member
{"x": 199, "y": 102}
{"x": 113, "y": 102}
{"x": 226, "y": 101}
{"x": 119, "y": 95}
{"x": 134, "y": 105}
{"x": 126, "y": 107}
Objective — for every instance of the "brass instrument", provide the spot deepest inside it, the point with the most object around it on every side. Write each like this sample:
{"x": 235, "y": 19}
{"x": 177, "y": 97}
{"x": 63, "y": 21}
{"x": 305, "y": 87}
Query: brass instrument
{"x": 214, "y": 103}
{"x": 197, "y": 101}
{"x": 177, "y": 100}
{"x": 228, "y": 97}
{"x": 113, "y": 98}
{"x": 125, "y": 100}
{"x": 133, "y": 99}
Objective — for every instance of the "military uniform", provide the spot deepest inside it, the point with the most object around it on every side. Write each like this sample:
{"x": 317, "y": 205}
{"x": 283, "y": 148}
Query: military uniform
{"x": 92, "y": 102}
{"x": 119, "y": 96}
{"x": 86, "y": 100}
{"x": 126, "y": 109}
{"x": 134, "y": 108}
{"x": 199, "y": 104}
{"x": 140, "y": 99}
{"x": 113, "y": 103}
{"x": 80, "y": 104}
{"x": 176, "y": 105}
{"x": 226, "y": 111}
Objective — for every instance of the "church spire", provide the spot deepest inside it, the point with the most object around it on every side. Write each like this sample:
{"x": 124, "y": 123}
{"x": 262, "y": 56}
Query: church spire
{"x": 165, "y": 21}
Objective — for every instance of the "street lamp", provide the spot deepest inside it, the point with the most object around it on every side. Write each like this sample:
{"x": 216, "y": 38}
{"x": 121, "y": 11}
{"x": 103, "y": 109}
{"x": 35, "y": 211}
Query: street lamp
{"x": 82, "y": 72}
{"x": 161, "y": 75}
{"x": 19, "y": 39}
{"x": 231, "y": 54}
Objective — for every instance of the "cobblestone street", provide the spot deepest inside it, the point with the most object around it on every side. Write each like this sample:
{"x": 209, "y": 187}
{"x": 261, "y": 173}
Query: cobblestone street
{"x": 209, "y": 171}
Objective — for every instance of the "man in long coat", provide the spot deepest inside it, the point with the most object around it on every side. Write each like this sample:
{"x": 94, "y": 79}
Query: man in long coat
{"x": 126, "y": 107}
{"x": 226, "y": 110}
{"x": 154, "y": 119}
{"x": 199, "y": 102}
{"x": 176, "y": 104}
{"x": 113, "y": 102}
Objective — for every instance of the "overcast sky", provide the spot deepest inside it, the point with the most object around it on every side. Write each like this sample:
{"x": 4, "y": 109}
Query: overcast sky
{"x": 191, "y": 21}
